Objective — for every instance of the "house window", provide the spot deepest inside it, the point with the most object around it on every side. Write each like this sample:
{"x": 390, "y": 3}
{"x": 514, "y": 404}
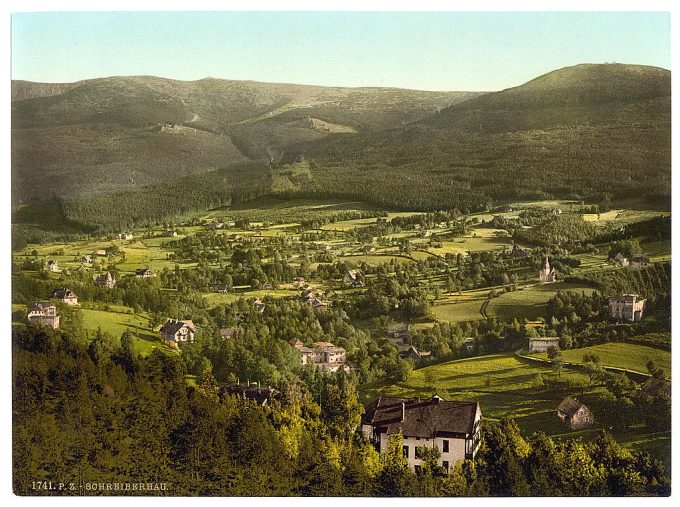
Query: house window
{"x": 406, "y": 451}
{"x": 417, "y": 467}
{"x": 445, "y": 464}
{"x": 445, "y": 447}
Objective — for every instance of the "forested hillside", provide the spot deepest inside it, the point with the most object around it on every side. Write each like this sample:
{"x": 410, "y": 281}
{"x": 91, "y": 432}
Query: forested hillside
{"x": 106, "y": 149}
{"x": 91, "y": 413}
{"x": 105, "y": 135}
{"x": 574, "y": 133}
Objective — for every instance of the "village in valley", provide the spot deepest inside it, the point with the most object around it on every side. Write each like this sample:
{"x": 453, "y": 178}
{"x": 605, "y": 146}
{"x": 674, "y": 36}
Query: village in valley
{"x": 553, "y": 313}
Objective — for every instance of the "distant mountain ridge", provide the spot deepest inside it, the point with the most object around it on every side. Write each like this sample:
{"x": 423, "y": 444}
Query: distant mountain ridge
{"x": 103, "y": 135}
{"x": 110, "y": 147}
{"x": 576, "y": 132}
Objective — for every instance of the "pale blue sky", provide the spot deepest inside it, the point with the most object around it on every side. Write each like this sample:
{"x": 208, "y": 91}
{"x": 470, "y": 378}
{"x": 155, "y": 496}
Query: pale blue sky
{"x": 430, "y": 51}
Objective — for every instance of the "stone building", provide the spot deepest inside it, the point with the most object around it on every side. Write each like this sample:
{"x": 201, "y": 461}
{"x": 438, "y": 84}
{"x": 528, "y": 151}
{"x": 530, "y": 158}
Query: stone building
{"x": 574, "y": 414}
{"x": 626, "y": 308}
{"x": 323, "y": 355}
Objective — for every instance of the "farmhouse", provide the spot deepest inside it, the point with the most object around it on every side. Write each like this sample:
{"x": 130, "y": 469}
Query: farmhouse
{"x": 398, "y": 331}
{"x": 52, "y": 266}
{"x": 125, "y": 235}
{"x": 144, "y": 273}
{"x": 66, "y": 296}
{"x": 639, "y": 262}
{"x": 323, "y": 355}
{"x": 452, "y": 427}
{"x": 547, "y": 273}
{"x": 106, "y": 280}
{"x": 414, "y": 354}
{"x": 170, "y": 233}
{"x": 542, "y": 343}
{"x": 101, "y": 253}
{"x": 43, "y": 312}
{"x": 261, "y": 395}
{"x": 175, "y": 332}
{"x": 626, "y": 308}
{"x": 86, "y": 259}
{"x": 575, "y": 414}
{"x": 353, "y": 278}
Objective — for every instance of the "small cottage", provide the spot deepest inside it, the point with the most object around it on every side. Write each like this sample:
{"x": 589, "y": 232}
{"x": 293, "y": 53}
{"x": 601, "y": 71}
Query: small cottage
{"x": 574, "y": 414}
{"x": 66, "y": 296}
{"x": 177, "y": 332}
{"x": 414, "y": 354}
{"x": 106, "y": 280}
{"x": 144, "y": 273}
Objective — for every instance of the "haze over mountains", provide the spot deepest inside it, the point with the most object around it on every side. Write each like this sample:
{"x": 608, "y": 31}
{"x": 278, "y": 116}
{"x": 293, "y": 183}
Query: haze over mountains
{"x": 577, "y": 132}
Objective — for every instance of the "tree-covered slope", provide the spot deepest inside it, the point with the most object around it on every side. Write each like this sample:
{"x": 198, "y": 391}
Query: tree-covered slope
{"x": 122, "y": 133}
{"x": 575, "y": 132}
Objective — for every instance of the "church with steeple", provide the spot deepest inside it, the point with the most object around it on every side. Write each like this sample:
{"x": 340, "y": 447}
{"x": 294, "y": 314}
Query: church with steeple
{"x": 547, "y": 273}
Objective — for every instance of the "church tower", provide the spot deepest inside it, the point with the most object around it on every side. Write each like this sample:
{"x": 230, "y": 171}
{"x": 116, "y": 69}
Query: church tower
{"x": 547, "y": 274}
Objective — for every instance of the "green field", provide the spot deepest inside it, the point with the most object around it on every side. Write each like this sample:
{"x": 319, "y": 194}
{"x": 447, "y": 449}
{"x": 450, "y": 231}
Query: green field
{"x": 621, "y": 355}
{"x": 115, "y": 323}
{"x": 506, "y": 386}
{"x": 478, "y": 240}
{"x": 374, "y": 259}
{"x": 529, "y": 301}
{"x": 461, "y": 311}
{"x": 223, "y": 298}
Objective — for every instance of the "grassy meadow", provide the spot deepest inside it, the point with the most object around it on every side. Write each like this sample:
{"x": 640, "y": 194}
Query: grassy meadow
{"x": 506, "y": 386}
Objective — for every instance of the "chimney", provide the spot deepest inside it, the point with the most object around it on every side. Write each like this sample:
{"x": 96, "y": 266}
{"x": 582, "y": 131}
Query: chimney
{"x": 403, "y": 410}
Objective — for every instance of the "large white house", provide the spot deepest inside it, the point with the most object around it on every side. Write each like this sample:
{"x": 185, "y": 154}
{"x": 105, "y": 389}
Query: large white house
{"x": 323, "y": 355}
{"x": 453, "y": 427}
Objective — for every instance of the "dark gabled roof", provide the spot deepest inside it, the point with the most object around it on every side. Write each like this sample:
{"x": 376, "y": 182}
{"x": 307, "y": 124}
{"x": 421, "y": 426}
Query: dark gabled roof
{"x": 570, "y": 406}
{"x": 172, "y": 326}
{"x": 39, "y": 306}
{"x": 423, "y": 418}
{"x": 142, "y": 271}
{"x": 62, "y": 293}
